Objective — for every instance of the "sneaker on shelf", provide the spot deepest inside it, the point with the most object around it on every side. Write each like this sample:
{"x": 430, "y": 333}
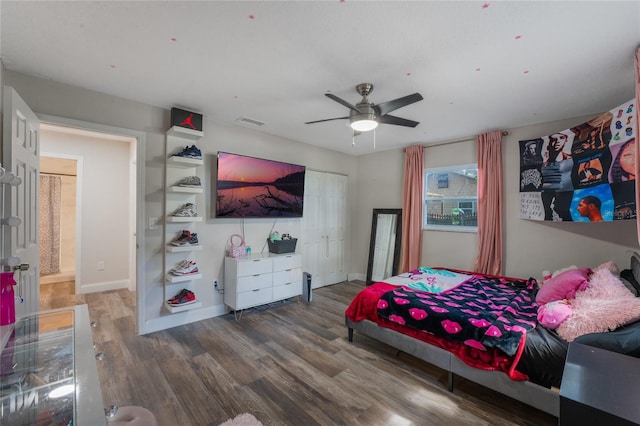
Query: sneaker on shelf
{"x": 190, "y": 152}
{"x": 180, "y": 265}
{"x": 195, "y": 152}
{"x": 184, "y": 297}
{"x": 190, "y": 182}
{"x": 187, "y": 238}
{"x": 187, "y": 210}
{"x": 186, "y": 267}
{"x": 181, "y": 294}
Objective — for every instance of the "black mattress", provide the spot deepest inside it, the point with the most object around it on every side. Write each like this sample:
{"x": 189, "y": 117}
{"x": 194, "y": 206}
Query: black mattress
{"x": 545, "y": 352}
{"x": 543, "y": 357}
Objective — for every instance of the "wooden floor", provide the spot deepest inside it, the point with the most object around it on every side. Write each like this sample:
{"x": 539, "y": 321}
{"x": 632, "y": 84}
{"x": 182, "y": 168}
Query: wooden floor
{"x": 289, "y": 364}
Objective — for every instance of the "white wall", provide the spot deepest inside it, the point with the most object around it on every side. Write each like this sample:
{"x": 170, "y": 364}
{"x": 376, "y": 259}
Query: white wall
{"x": 529, "y": 246}
{"x": 56, "y": 99}
{"x": 105, "y": 185}
{"x": 380, "y": 180}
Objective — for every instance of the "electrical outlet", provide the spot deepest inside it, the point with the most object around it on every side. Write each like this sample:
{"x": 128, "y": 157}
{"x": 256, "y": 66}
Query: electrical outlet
{"x": 153, "y": 223}
{"x": 215, "y": 283}
{"x": 101, "y": 265}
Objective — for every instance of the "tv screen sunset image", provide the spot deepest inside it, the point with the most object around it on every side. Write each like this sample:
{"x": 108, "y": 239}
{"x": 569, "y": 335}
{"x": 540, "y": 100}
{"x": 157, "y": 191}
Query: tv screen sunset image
{"x": 255, "y": 187}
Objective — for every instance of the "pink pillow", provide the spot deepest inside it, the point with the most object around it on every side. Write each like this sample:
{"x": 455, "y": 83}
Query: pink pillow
{"x": 563, "y": 286}
{"x": 604, "y": 306}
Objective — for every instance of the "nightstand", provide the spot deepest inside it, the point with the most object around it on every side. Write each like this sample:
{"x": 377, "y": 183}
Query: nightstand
{"x": 599, "y": 387}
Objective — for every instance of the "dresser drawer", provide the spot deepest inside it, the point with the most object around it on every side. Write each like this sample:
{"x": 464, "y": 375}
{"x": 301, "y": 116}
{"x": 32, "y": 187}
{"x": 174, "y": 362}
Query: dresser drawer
{"x": 287, "y": 290}
{"x": 284, "y": 262}
{"x": 254, "y": 266}
{"x": 288, "y": 276}
{"x": 255, "y": 297}
{"x": 254, "y": 282}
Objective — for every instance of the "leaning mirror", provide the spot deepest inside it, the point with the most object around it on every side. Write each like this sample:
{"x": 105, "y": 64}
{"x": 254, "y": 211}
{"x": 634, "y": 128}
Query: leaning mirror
{"x": 384, "y": 248}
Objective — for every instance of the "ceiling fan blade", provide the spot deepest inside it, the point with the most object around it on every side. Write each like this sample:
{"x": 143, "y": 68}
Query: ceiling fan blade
{"x": 392, "y": 119}
{"x": 387, "y": 107}
{"x": 326, "y": 119}
{"x": 341, "y": 101}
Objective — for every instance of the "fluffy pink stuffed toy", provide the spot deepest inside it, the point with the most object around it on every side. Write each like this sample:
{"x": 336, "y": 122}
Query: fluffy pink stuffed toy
{"x": 552, "y": 314}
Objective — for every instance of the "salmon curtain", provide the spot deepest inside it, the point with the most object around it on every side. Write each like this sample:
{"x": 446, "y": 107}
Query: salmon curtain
{"x": 637, "y": 62}
{"x": 412, "y": 209}
{"x": 490, "y": 200}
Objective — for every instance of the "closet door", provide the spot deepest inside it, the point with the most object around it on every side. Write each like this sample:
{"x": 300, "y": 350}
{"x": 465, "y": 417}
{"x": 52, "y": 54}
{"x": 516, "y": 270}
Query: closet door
{"x": 324, "y": 227}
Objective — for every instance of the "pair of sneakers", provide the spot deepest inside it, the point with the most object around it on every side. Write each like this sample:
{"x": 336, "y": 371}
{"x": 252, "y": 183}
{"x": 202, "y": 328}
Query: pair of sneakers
{"x": 187, "y": 238}
{"x": 184, "y": 297}
{"x": 187, "y": 210}
{"x": 190, "y": 152}
{"x": 190, "y": 182}
{"x": 186, "y": 267}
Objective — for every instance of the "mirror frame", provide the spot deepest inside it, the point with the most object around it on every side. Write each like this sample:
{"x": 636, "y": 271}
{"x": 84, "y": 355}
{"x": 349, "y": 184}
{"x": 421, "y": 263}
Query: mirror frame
{"x": 372, "y": 243}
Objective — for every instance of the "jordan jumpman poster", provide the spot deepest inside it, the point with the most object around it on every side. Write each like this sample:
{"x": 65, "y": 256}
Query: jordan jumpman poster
{"x": 582, "y": 174}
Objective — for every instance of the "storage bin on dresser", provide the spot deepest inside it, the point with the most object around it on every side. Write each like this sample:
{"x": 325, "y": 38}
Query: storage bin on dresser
{"x": 258, "y": 280}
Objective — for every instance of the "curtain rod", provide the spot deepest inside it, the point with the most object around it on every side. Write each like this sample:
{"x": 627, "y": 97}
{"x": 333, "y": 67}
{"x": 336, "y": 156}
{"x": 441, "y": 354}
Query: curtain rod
{"x": 58, "y": 174}
{"x": 504, "y": 133}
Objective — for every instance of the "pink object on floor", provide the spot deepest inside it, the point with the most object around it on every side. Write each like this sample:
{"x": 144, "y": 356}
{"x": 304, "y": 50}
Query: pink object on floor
{"x": 7, "y": 299}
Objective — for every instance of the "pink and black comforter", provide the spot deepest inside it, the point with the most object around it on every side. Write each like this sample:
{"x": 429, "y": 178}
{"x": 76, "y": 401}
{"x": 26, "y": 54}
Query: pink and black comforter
{"x": 484, "y": 320}
{"x": 483, "y": 312}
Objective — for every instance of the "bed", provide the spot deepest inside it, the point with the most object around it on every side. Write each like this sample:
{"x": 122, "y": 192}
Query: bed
{"x": 483, "y": 328}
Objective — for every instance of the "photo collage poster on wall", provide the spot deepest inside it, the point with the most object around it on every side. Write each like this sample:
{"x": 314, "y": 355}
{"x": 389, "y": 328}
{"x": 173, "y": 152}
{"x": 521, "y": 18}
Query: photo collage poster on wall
{"x": 582, "y": 174}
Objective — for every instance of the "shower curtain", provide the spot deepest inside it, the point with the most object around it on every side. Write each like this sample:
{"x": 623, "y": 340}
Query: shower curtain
{"x": 50, "y": 198}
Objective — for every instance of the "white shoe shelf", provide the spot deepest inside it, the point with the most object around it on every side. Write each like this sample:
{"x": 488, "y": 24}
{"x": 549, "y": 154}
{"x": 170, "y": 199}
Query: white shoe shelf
{"x": 183, "y": 219}
{"x": 177, "y": 168}
{"x": 185, "y": 189}
{"x": 183, "y": 249}
{"x": 176, "y": 309}
{"x": 182, "y": 278}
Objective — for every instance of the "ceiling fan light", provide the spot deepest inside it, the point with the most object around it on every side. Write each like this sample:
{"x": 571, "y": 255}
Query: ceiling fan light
{"x": 365, "y": 124}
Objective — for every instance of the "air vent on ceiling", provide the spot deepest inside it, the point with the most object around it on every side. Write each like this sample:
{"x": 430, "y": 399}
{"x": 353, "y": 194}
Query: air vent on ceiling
{"x": 250, "y": 122}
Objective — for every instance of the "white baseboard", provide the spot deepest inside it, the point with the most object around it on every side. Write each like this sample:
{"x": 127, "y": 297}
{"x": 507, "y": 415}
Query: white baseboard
{"x": 103, "y": 286}
{"x": 59, "y": 277}
{"x": 182, "y": 318}
{"x": 353, "y": 276}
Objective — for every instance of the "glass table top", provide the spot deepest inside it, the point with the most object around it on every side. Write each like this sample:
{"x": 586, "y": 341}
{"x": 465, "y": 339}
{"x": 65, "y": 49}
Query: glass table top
{"x": 37, "y": 371}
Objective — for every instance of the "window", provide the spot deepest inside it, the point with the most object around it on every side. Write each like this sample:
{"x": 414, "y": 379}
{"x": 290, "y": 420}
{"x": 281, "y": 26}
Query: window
{"x": 454, "y": 206}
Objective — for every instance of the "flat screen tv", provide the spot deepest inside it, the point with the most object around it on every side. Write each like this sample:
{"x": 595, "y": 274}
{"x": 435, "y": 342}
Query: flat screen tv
{"x": 254, "y": 187}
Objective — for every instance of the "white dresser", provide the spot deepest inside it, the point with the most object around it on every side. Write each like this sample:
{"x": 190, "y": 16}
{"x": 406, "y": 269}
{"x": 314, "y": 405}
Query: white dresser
{"x": 261, "y": 279}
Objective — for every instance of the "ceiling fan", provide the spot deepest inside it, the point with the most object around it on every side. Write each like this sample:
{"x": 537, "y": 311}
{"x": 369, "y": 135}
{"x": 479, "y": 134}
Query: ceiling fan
{"x": 365, "y": 115}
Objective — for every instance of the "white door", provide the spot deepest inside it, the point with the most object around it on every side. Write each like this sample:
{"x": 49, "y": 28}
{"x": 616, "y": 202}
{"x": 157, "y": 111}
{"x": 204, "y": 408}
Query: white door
{"x": 324, "y": 227}
{"x": 335, "y": 218}
{"x": 20, "y": 155}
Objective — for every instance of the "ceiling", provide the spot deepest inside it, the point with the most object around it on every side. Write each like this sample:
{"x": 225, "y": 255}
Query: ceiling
{"x": 480, "y": 65}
